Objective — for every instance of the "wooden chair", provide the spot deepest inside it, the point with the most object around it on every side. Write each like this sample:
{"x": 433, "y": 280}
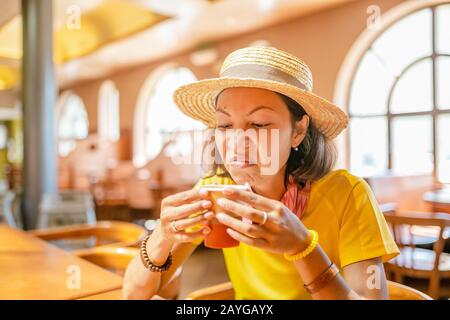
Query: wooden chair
{"x": 111, "y": 199}
{"x": 116, "y": 259}
{"x": 414, "y": 262}
{"x": 109, "y": 257}
{"x": 225, "y": 291}
{"x": 117, "y": 233}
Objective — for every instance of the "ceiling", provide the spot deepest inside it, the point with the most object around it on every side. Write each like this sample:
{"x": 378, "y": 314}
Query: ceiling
{"x": 110, "y": 35}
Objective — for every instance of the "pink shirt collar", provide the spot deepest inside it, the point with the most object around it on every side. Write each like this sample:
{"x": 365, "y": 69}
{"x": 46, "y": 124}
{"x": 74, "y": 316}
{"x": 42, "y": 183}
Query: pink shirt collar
{"x": 296, "y": 197}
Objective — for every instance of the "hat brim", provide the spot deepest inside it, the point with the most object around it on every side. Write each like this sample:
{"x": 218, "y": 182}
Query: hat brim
{"x": 197, "y": 100}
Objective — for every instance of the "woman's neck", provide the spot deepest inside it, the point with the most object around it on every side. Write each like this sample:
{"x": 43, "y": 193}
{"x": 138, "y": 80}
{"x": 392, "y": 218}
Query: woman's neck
{"x": 273, "y": 187}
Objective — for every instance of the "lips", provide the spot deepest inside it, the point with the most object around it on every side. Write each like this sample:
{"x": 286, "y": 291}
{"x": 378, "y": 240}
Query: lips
{"x": 241, "y": 162}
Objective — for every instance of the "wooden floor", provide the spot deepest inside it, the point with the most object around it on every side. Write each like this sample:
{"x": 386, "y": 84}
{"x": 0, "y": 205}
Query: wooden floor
{"x": 206, "y": 267}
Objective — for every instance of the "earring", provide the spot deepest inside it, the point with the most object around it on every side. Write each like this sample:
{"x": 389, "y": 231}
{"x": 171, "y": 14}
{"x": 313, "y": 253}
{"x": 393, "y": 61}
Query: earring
{"x": 295, "y": 148}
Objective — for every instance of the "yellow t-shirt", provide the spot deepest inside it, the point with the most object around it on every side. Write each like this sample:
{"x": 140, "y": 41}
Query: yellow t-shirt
{"x": 351, "y": 227}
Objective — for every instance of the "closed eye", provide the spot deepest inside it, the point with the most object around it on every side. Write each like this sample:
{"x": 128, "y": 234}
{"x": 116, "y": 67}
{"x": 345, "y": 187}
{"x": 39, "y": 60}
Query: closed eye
{"x": 260, "y": 125}
{"x": 223, "y": 126}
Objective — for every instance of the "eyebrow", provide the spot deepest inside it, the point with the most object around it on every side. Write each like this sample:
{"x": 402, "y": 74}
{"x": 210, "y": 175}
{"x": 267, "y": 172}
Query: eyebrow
{"x": 251, "y": 112}
{"x": 223, "y": 111}
{"x": 259, "y": 108}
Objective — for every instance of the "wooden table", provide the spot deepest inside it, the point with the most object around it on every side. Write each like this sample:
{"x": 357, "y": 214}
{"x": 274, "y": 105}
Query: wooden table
{"x": 439, "y": 200}
{"x": 109, "y": 295}
{"x": 34, "y": 269}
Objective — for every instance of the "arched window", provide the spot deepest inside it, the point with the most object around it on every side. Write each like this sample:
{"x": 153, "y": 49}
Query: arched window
{"x": 108, "y": 112}
{"x": 399, "y": 97}
{"x": 157, "y": 118}
{"x": 72, "y": 122}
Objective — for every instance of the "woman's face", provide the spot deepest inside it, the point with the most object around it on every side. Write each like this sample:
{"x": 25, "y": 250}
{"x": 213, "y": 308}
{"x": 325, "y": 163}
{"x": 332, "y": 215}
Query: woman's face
{"x": 255, "y": 133}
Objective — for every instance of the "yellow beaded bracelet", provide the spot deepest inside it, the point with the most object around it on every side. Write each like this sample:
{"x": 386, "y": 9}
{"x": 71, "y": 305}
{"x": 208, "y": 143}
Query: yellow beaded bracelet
{"x": 308, "y": 250}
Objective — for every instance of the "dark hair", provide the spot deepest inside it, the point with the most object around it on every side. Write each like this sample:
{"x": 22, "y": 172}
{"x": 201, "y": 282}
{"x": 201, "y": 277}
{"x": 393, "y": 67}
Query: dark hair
{"x": 315, "y": 157}
{"x": 316, "y": 154}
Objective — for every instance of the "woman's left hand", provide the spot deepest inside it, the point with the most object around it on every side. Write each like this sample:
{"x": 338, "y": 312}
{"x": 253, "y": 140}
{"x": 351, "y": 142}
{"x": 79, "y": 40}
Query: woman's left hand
{"x": 282, "y": 232}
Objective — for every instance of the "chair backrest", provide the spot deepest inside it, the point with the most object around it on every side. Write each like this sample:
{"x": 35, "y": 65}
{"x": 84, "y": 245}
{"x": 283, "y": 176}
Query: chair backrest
{"x": 399, "y": 291}
{"x": 403, "y": 222}
{"x": 116, "y": 233}
{"x": 107, "y": 192}
{"x": 111, "y": 257}
{"x": 117, "y": 259}
{"x": 225, "y": 291}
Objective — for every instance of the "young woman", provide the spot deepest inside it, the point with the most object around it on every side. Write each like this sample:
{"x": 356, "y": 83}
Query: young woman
{"x": 315, "y": 232}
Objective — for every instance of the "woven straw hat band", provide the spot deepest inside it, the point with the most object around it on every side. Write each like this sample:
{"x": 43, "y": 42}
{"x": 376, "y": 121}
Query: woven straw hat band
{"x": 262, "y": 72}
{"x": 268, "y": 64}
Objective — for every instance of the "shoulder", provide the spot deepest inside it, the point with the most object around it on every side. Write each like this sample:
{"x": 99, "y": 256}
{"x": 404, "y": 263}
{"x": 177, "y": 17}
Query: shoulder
{"x": 340, "y": 179}
{"x": 339, "y": 187}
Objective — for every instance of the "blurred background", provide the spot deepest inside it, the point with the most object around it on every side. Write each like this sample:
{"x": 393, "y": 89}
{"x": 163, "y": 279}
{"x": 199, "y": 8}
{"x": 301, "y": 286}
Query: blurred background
{"x": 88, "y": 129}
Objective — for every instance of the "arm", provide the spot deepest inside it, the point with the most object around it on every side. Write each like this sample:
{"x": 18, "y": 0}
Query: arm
{"x": 176, "y": 212}
{"x": 362, "y": 280}
{"x": 142, "y": 284}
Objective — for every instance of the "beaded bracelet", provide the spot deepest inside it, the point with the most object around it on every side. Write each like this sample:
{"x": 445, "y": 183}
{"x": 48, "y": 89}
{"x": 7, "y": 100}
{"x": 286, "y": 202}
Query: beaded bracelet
{"x": 308, "y": 250}
{"x": 147, "y": 262}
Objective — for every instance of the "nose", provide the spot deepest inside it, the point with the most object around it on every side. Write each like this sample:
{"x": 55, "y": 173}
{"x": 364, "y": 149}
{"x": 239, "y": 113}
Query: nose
{"x": 241, "y": 144}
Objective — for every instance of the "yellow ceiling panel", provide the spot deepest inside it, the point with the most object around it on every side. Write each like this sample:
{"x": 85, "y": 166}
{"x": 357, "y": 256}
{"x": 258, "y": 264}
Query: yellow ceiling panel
{"x": 11, "y": 39}
{"x": 9, "y": 77}
{"x": 110, "y": 21}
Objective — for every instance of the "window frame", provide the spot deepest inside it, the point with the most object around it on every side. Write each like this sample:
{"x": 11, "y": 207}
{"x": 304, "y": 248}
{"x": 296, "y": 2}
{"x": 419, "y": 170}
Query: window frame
{"x": 143, "y": 106}
{"x": 349, "y": 68}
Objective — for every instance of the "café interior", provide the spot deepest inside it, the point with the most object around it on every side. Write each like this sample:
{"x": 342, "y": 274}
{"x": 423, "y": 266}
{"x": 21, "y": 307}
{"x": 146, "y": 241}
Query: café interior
{"x": 89, "y": 132}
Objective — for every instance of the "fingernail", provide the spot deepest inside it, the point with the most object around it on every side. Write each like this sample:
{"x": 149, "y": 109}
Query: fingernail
{"x": 220, "y": 216}
{"x": 221, "y": 201}
{"x": 206, "y": 204}
{"x": 208, "y": 214}
{"x": 227, "y": 191}
{"x": 206, "y": 230}
{"x": 203, "y": 192}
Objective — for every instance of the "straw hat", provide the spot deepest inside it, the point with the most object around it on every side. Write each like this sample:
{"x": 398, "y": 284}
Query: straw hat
{"x": 265, "y": 68}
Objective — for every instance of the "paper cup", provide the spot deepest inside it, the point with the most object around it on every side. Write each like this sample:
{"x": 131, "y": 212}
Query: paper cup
{"x": 218, "y": 237}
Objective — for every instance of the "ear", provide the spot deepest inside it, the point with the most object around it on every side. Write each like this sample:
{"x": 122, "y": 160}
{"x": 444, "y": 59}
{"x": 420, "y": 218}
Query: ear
{"x": 300, "y": 130}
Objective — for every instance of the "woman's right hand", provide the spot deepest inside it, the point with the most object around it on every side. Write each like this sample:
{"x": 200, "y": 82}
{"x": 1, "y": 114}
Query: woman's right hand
{"x": 175, "y": 212}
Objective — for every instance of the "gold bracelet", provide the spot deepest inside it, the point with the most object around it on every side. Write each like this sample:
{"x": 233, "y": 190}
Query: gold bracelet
{"x": 307, "y": 251}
